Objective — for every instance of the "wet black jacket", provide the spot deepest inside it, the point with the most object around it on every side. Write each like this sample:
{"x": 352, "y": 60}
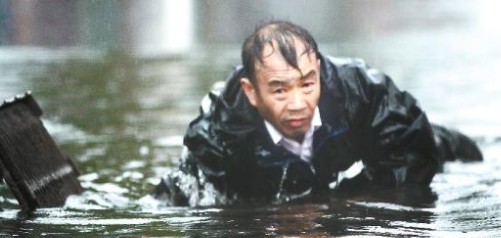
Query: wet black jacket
{"x": 365, "y": 118}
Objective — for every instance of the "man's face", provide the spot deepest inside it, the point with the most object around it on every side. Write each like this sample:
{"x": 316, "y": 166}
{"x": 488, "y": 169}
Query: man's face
{"x": 284, "y": 96}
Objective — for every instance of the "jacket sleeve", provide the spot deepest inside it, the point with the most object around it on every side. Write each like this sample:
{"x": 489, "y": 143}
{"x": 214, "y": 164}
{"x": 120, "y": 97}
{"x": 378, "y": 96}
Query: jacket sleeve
{"x": 221, "y": 129}
{"x": 392, "y": 133}
{"x": 205, "y": 149}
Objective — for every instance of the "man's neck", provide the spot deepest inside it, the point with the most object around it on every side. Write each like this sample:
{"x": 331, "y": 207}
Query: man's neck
{"x": 299, "y": 139}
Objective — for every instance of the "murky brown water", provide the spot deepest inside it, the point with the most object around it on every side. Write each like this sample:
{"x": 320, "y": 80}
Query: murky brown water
{"x": 122, "y": 117}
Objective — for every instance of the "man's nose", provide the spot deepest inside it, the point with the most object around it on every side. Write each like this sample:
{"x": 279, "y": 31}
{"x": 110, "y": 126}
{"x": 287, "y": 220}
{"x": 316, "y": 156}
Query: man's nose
{"x": 296, "y": 100}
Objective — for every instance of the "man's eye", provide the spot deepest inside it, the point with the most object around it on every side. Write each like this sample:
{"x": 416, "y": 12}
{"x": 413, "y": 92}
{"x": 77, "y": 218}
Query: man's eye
{"x": 278, "y": 91}
{"x": 308, "y": 84}
{"x": 308, "y": 87}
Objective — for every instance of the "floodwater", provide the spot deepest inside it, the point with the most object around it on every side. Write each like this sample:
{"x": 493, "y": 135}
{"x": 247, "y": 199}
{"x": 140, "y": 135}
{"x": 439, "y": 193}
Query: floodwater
{"x": 122, "y": 117}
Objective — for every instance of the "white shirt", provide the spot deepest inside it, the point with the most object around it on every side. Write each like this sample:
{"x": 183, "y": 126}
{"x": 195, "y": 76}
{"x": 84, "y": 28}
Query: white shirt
{"x": 303, "y": 150}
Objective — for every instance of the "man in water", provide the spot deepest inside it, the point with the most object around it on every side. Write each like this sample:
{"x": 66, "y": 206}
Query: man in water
{"x": 291, "y": 122}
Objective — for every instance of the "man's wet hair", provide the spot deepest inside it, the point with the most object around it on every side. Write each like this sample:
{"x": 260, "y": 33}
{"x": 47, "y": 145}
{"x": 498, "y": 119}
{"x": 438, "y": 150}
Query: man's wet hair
{"x": 280, "y": 35}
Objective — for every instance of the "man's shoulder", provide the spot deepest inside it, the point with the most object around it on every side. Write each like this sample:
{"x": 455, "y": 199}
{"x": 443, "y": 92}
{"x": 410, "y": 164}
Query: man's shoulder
{"x": 340, "y": 62}
{"x": 348, "y": 69}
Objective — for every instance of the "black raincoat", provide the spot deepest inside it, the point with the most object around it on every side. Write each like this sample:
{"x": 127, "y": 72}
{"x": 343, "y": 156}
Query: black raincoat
{"x": 366, "y": 120}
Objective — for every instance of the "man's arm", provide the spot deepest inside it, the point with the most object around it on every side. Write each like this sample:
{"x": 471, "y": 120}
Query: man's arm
{"x": 200, "y": 160}
{"x": 205, "y": 149}
{"x": 218, "y": 139}
{"x": 392, "y": 132}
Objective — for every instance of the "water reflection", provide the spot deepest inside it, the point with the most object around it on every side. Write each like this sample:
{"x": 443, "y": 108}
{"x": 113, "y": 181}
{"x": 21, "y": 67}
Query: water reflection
{"x": 120, "y": 111}
{"x": 95, "y": 86}
{"x": 145, "y": 27}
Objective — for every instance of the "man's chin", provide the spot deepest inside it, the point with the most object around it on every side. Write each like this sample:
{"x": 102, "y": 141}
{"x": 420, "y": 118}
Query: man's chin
{"x": 297, "y": 136}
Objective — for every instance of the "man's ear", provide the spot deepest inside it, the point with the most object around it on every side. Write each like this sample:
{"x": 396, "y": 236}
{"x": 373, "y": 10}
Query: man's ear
{"x": 249, "y": 90}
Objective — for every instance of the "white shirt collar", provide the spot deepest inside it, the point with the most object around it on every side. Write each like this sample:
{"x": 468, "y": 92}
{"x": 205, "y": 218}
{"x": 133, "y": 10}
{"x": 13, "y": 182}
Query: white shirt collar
{"x": 276, "y": 136}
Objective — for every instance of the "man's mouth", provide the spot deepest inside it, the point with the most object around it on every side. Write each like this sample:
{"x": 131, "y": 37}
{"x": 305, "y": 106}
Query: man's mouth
{"x": 297, "y": 123}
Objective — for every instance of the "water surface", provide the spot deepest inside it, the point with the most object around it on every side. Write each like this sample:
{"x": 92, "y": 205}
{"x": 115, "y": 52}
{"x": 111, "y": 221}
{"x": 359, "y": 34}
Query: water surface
{"x": 121, "y": 117}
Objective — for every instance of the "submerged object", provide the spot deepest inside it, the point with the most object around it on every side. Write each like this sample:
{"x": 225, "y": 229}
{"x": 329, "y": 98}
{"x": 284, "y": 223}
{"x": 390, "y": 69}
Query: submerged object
{"x": 32, "y": 165}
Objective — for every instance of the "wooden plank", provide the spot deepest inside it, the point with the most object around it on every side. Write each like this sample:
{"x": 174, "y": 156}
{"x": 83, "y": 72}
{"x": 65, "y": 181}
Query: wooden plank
{"x": 35, "y": 169}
